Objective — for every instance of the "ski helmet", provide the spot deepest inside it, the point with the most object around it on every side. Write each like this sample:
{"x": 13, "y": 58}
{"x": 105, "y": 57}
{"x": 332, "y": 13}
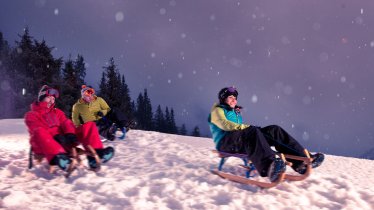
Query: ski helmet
{"x": 47, "y": 91}
{"x": 226, "y": 92}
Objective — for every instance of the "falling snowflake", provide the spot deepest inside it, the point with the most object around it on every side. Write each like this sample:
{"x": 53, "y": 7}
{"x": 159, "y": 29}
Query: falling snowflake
{"x": 153, "y": 55}
{"x": 56, "y": 12}
{"x": 162, "y": 11}
{"x": 180, "y": 75}
{"x": 305, "y": 136}
{"x": 254, "y": 99}
{"x": 119, "y": 16}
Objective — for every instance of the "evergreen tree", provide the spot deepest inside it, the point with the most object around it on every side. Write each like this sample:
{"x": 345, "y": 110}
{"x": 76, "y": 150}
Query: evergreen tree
{"x": 73, "y": 75}
{"x": 126, "y": 100}
{"x": 167, "y": 120}
{"x": 183, "y": 130}
{"x": 6, "y": 93}
{"x": 144, "y": 111}
{"x": 173, "y": 126}
{"x": 102, "y": 86}
{"x": 112, "y": 93}
{"x": 140, "y": 111}
{"x": 159, "y": 120}
{"x": 32, "y": 66}
{"x": 148, "y": 114}
{"x": 196, "y": 131}
{"x": 80, "y": 68}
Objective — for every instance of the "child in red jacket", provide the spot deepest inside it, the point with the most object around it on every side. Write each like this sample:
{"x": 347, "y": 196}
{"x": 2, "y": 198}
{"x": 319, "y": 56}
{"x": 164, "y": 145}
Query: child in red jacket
{"x": 53, "y": 135}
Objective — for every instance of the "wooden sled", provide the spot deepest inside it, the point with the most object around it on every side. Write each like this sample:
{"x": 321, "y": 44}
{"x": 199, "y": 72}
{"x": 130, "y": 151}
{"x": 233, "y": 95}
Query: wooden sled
{"x": 74, "y": 155}
{"x": 250, "y": 168}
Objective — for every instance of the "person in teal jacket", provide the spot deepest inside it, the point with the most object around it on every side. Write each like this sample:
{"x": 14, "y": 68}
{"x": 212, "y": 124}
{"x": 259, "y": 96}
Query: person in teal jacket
{"x": 231, "y": 135}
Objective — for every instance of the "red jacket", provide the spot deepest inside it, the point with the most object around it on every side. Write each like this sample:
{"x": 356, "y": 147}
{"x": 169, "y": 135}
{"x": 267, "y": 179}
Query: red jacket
{"x": 51, "y": 119}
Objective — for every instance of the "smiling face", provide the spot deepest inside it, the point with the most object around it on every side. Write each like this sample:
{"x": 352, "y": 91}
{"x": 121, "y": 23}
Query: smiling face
{"x": 231, "y": 101}
{"x": 50, "y": 100}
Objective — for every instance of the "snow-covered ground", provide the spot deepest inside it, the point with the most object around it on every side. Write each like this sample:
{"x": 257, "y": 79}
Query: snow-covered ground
{"x": 159, "y": 171}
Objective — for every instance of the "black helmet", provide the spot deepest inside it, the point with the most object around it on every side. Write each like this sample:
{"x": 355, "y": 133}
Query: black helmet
{"x": 226, "y": 92}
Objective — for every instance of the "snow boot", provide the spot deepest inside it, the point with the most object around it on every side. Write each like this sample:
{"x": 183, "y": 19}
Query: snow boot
{"x": 62, "y": 161}
{"x": 317, "y": 161}
{"x": 104, "y": 154}
{"x": 277, "y": 167}
{"x": 318, "y": 158}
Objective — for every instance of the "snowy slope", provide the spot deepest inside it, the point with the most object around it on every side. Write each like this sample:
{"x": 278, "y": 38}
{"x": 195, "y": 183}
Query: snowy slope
{"x": 159, "y": 171}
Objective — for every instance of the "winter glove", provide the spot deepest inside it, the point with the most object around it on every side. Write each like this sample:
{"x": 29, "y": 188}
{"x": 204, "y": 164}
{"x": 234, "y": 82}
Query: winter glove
{"x": 71, "y": 138}
{"x": 100, "y": 114}
{"x": 64, "y": 142}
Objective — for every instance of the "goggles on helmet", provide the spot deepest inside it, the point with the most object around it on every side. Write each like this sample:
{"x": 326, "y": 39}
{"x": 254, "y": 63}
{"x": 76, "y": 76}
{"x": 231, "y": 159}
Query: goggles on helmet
{"x": 52, "y": 92}
{"x": 89, "y": 92}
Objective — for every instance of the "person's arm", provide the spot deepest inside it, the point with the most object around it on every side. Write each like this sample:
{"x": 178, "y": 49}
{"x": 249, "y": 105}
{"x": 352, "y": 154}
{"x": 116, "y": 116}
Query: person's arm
{"x": 66, "y": 124}
{"x": 33, "y": 122}
{"x": 219, "y": 119}
{"x": 75, "y": 116}
{"x": 104, "y": 107}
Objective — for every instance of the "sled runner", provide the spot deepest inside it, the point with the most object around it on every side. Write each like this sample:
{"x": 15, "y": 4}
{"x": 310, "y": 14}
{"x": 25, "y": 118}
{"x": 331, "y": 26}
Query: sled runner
{"x": 74, "y": 155}
{"x": 251, "y": 170}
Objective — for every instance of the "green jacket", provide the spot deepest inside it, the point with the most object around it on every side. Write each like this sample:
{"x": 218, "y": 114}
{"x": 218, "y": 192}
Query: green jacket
{"x": 85, "y": 112}
{"x": 224, "y": 119}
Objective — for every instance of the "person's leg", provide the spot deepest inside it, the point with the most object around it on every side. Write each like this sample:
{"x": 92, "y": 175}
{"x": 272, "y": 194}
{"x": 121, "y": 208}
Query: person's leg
{"x": 284, "y": 143}
{"x": 43, "y": 143}
{"x": 88, "y": 134}
{"x": 251, "y": 142}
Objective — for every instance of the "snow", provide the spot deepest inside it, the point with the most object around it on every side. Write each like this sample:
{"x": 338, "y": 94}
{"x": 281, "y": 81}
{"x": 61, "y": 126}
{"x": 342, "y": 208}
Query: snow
{"x": 153, "y": 170}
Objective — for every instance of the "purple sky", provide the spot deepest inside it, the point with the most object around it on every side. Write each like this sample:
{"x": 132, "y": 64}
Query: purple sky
{"x": 305, "y": 65}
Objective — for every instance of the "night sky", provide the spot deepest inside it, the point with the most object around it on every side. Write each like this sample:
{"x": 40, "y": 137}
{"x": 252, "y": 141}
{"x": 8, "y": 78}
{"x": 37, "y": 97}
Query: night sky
{"x": 305, "y": 65}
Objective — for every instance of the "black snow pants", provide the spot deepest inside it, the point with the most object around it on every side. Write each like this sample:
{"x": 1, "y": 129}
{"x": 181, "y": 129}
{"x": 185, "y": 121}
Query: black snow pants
{"x": 256, "y": 142}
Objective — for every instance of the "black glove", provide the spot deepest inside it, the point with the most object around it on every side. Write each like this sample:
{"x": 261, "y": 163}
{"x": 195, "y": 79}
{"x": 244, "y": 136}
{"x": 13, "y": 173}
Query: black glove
{"x": 71, "y": 138}
{"x": 100, "y": 114}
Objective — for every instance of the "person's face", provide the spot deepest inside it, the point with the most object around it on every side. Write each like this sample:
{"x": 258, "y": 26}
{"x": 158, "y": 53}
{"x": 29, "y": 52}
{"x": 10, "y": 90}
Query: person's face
{"x": 88, "y": 98}
{"x": 50, "y": 100}
{"x": 231, "y": 101}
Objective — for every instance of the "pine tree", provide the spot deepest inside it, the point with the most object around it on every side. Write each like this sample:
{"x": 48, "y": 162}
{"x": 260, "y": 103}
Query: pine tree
{"x": 102, "y": 86}
{"x": 159, "y": 120}
{"x": 183, "y": 130}
{"x": 80, "y": 68}
{"x": 196, "y": 131}
{"x": 112, "y": 92}
{"x": 144, "y": 113}
{"x": 167, "y": 120}
{"x": 33, "y": 65}
{"x": 148, "y": 114}
{"x": 140, "y": 111}
{"x": 173, "y": 126}
{"x": 73, "y": 75}
{"x": 126, "y": 100}
{"x": 6, "y": 93}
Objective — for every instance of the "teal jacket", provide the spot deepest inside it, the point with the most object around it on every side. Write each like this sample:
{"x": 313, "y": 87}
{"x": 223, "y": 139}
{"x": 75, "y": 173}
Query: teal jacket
{"x": 224, "y": 119}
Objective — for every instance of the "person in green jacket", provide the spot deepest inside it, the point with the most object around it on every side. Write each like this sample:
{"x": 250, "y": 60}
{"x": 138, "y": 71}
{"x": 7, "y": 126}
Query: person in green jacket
{"x": 231, "y": 135}
{"x": 92, "y": 108}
